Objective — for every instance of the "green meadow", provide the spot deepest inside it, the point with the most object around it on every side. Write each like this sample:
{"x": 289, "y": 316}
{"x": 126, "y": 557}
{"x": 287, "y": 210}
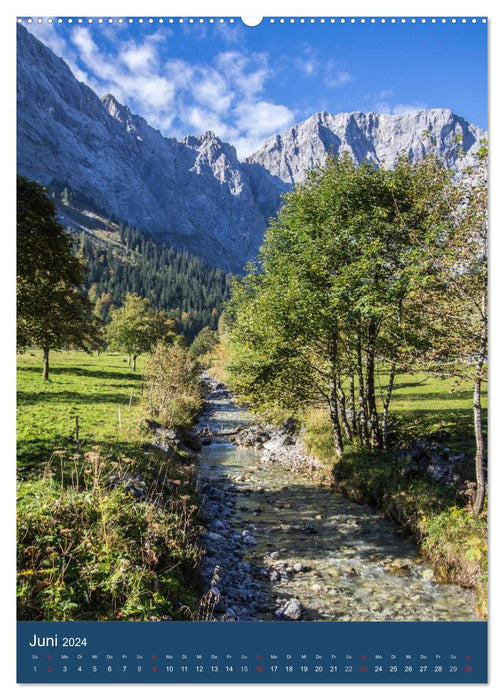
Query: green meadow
{"x": 100, "y": 390}
{"x": 107, "y": 524}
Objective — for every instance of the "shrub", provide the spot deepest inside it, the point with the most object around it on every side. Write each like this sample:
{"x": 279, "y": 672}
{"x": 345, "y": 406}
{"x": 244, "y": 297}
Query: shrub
{"x": 204, "y": 342}
{"x": 89, "y": 549}
{"x": 174, "y": 387}
{"x": 456, "y": 541}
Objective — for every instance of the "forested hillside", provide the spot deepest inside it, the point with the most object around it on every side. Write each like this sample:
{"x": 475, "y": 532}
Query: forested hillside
{"x": 121, "y": 260}
{"x": 175, "y": 281}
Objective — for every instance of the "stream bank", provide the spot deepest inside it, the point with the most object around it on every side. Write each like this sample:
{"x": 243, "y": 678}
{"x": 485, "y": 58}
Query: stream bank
{"x": 280, "y": 545}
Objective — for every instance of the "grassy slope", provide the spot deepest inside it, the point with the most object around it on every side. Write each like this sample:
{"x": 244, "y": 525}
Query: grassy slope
{"x": 88, "y": 549}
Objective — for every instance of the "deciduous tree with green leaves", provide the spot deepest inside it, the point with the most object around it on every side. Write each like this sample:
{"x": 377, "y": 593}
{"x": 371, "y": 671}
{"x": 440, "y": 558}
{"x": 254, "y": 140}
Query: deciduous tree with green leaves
{"x": 135, "y": 328}
{"x": 336, "y": 291}
{"x": 204, "y": 342}
{"x": 456, "y": 307}
{"x": 52, "y": 310}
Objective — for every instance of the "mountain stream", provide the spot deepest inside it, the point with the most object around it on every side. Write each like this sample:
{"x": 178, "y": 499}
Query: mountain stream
{"x": 281, "y": 545}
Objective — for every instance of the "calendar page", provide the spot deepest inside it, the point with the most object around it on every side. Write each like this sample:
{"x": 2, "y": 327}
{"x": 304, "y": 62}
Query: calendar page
{"x": 252, "y": 349}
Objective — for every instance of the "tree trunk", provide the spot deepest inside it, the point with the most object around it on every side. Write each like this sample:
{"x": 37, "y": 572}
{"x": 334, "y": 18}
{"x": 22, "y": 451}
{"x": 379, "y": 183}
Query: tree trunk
{"x": 353, "y": 415}
{"x": 129, "y": 359}
{"x": 334, "y": 414}
{"x": 363, "y": 429}
{"x": 376, "y": 436}
{"x": 386, "y": 403}
{"x": 342, "y": 409}
{"x": 134, "y": 363}
{"x": 478, "y": 424}
{"x": 45, "y": 370}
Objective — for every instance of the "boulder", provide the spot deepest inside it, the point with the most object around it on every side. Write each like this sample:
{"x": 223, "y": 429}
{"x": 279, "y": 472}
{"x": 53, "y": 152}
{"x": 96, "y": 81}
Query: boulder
{"x": 292, "y": 610}
{"x": 278, "y": 442}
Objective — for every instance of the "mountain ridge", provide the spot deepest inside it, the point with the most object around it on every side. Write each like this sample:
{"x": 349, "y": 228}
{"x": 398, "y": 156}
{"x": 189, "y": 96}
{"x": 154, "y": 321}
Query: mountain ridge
{"x": 194, "y": 192}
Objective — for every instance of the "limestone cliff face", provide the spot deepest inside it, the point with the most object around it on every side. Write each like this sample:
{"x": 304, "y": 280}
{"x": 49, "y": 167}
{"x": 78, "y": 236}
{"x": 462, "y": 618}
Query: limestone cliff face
{"x": 194, "y": 192}
{"x": 378, "y": 138}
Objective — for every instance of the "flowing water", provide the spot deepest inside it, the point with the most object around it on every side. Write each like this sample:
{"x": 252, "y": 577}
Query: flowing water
{"x": 277, "y": 533}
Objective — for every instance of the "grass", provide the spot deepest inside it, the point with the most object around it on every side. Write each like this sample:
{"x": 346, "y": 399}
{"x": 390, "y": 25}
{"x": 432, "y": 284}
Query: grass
{"x": 421, "y": 406}
{"x": 96, "y": 388}
{"x": 91, "y": 551}
{"x": 431, "y": 406}
{"x": 107, "y": 528}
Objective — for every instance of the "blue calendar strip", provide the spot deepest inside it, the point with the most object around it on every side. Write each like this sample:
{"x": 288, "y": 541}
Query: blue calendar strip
{"x": 252, "y": 652}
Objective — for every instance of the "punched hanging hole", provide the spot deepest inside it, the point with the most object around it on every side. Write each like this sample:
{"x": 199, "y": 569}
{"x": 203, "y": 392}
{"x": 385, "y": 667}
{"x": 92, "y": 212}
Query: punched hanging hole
{"x": 251, "y": 21}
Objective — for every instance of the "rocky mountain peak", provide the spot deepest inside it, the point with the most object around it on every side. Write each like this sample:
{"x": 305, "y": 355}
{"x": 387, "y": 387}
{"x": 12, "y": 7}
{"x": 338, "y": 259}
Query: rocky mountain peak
{"x": 378, "y": 138}
{"x": 194, "y": 192}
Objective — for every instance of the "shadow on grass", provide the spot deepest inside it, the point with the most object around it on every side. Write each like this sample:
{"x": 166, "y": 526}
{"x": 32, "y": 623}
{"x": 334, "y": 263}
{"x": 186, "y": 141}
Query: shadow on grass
{"x": 439, "y": 415}
{"x": 81, "y": 372}
{"x": 34, "y": 454}
{"x": 407, "y": 385}
{"x": 457, "y": 423}
{"x": 434, "y": 396}
{"x": 28, "y": 398}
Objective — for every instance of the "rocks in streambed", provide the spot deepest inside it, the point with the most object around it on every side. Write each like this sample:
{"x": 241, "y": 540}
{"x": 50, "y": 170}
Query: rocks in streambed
{"x": 288, "y": 551}
{"x": 280, "y": 569}
{"x": 278, "y": 442}
{"x": 168, "y": 441}
{"x": 255, "y": 436}
{"x": 290, "y": 610}
{"x": 248, "y": 538}
{"x": 277, "y": 445}
{"x": 399, "y": 567}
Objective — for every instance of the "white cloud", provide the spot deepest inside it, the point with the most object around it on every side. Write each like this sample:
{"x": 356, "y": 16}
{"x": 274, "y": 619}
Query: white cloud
{"x": 400, "y": 108}
{"x": 262, "y": 118}
{"x": 155, "y": 92}
{"x": 246, "y": 73}
{"x": 310, "y": 67}
{"x": 47, "y": 34}
{"x": 179, "y": 72}
{"x": 230, "y": 33}
{"x": 247, "y": 145}
{"x": 338, "y": 80}
{"x": 335, "y": 76}
{"x": 139, "y": 59}
{"x": 205, "y": 120}
{"x": 406, "y": 108}
{"x": 225, "y": 94}
{"x": 211, "y": 90}
{"x": 309, "y": 63}
{"x": 97, "y": 64}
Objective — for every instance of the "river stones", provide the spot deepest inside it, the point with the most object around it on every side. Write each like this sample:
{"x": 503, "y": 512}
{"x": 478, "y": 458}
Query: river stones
{"x": 399, "y": 567}
{"x": 342, "y": 549}
{"x": 291, "y": 610}
{"x": 215, "y": 536}
{"x": 248, "y": 539}
{"x": 428, "y": 574}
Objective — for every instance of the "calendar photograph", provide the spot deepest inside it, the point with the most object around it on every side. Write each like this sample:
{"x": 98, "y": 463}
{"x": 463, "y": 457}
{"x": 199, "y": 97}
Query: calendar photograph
{"x": 252, "y": 349}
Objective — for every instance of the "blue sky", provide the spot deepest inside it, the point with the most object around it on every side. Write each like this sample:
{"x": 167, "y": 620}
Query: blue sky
{"x": 248, "y": 83}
